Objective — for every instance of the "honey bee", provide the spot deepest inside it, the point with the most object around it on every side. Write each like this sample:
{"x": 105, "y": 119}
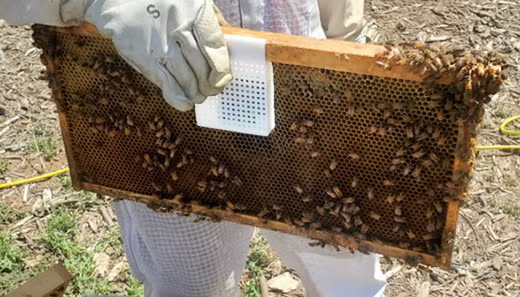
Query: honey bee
{"x": 161, "y": 151}
{"x": 303, "y": 129}
{"x": 375, "y": 216}
{"x": 434, "y": 157}
{"x": 384, "y": 65}
{"x": 399, "y": 219}
{"x": 159, "y": 133}
{"x": 364, "y": 229}
{"x": 418, "y": 154}
{"x": 327, "y": 173}
{"x": 358, "y": 221}
{"x": 354, "y": 182}
{"x": 397, "y": 161}
{"x": 348, "y": 95}
{"x": 348, "y": 200}
{"x": 299, "y": 222}
{"x": 315, "y": 154}
{"x": 160, "y": 123}
{"x": 307, "y": 198}
{"x": 317, "y": 243}
{"x": 400, "y": 152}
{"x": 372, "y": 130}
{"x": 298, "y": 189}
{"x": 178, "y": 140}
{"x": 397, "y": 210}
{"x": 370, "y": 193}
{"x": 404, "y": 245}
{"x": 294, "y": 126}
{"x": 406, "y": 171}
{"x": 390, "y": 199}
{"x": 315, "y": 225}
{"x": 407, "y": 119}
{"x": 438, "y": 206}
{"x": 300, "y": 140}
{"x": 427, "y": 236}
{"x": 396, "y": 228}
{"x": 331, "y": 193}
{"x": 333, "y": 165}
{"x": 353, "y": 156}
{"x": 277, "y": 207}
{"x": 156, "y": 187}
{"x": 388, "y": 183}
{"x": 381, "y": 131}
{"x": 213, "y": 160}
{"x": 320, "y": 210}
{"x": 310, "y": 139}
{"x": 319, "y": 110}
{"x": 431, "y": 226}
{"x": 221, "y": 169}
{"x": 427, "y": 163}
{"x": 351, "y": 109}
{"x": 308, "y": 123}
{"x": 387, "y": 114}
{"x": 237, "y": 181}
{"x": 442, "y": 141}
{"x": 417, "y": 172}
{"x": 278, "y": 215}
{"x": 337, "y": 191}
{"x": 429, "y": 213}
{"x": 416, "y": 146}
{"x": 409, "y": 132}
{"x": 172, "y": 153}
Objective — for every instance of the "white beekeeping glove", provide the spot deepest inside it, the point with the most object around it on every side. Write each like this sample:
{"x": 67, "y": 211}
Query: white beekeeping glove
{"x": 176, "y": 44}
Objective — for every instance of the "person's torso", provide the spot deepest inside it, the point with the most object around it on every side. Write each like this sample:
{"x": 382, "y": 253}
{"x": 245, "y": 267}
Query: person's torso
{"x": 296, "y": 17}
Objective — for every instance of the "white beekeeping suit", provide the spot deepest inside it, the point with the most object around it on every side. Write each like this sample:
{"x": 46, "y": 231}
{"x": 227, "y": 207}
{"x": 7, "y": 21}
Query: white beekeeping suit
{"x": 178, "y": 45}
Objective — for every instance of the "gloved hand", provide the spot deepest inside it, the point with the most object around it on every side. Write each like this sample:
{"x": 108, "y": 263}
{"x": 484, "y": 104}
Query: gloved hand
{"x": 176, "y": 44}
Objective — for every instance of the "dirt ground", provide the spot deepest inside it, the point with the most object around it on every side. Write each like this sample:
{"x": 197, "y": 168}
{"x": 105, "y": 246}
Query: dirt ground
{"x": 44, "y": 222}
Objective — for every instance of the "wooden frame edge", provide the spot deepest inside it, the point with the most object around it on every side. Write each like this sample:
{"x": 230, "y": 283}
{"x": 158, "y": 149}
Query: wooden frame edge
{"x": 334, "y": 238}
{"x": 282, "y": 48}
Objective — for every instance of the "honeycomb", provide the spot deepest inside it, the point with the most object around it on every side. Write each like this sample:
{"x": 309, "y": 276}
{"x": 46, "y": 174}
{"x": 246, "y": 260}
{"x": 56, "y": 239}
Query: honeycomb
{"x": 354, "y": 154}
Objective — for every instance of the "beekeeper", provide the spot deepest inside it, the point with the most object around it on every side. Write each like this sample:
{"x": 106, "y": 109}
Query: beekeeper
{"x": 178, "y": 45}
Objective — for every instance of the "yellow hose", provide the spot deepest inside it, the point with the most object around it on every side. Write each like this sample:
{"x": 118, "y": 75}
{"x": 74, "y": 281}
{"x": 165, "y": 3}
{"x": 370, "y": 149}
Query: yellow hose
{"x": 504, "y": 130}
{"x": 33, "y": 179}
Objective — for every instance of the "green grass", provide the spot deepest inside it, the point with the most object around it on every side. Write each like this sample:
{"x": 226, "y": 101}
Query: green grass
{"x": 257, "y": 261}
{"x": 43, "y": 143}
{"x": 60, "y": 239}
{"x": 7, "y": 214}
{"x": 510, "y": 180}
{"x": 503, "y": 112}
{"x": 66, "y": 182}
{"x": 4, "y": 165}
{"x": 134, "y": 288}
{"x": 512, "y": 210}
{"x": 10, "y": 254}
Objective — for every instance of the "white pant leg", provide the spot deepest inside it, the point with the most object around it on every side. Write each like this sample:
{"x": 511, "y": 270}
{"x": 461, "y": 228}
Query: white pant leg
{"x": 326, "y": 272}
{"x": 175, "y": 257}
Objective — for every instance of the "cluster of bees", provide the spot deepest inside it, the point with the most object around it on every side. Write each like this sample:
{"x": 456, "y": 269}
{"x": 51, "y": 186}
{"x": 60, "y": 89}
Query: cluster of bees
{"x": 475, "y": 74}
{"x": 113, "y": 125}
{"x": 169, "y": 156}
{"x": 219, "y": 179}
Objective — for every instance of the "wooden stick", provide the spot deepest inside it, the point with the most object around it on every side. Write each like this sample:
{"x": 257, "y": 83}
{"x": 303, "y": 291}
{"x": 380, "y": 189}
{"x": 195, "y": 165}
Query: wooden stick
{"x": 52, "y": 282}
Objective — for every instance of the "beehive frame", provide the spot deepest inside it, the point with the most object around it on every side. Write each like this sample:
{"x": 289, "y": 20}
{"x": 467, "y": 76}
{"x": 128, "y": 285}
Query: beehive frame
{"x": 342, "y": 62}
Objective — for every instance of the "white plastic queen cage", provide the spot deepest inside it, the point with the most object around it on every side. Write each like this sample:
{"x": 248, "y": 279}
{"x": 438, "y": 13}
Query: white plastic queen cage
{"x": 247, "y": 103}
